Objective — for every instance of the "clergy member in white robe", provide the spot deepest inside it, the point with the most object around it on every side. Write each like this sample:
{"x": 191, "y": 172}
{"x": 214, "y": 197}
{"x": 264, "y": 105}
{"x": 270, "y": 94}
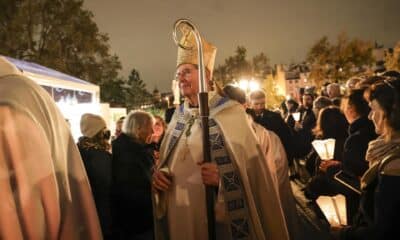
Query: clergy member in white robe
{"x": 247, "y": 205}
{"x": 277, "y": 163}
{"x": 276, "y": 160}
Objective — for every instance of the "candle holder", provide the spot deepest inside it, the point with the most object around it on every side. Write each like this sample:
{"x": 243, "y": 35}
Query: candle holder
{"x": 325, "y": 148}
{"x": 296, "y": 116}
{"x": 334, "y": 209}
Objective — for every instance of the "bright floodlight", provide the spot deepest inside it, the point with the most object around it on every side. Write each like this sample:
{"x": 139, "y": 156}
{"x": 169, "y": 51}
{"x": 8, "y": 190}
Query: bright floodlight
{"x": 244, "y": 84}
{"x": 254, "y": 86}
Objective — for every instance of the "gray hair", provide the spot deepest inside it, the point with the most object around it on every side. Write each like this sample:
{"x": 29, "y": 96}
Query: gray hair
{"x": 333, "y": 89}
{"x": 352, "y": 82}
{"x": 135, "y": 121}
{"x": 320, "y": 103}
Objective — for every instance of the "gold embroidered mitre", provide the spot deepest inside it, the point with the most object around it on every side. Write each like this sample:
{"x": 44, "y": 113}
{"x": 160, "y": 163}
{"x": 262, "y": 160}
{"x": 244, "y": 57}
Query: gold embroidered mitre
{"x": 190, "y": 55}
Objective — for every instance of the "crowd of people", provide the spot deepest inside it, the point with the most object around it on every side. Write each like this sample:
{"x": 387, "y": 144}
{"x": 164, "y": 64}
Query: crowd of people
{"x": 362, "y": 122}
{"x": 149, "y": 181}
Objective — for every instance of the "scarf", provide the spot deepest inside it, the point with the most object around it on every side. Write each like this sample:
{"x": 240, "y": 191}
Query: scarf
{"x": 377, "y": 150}
{"x": 89, "y": 143}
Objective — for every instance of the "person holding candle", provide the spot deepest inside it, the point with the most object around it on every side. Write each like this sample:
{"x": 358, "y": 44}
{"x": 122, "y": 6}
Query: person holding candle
{"x": 331, "y": 124}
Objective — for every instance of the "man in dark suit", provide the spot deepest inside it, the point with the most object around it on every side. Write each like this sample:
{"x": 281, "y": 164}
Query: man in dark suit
{"x": 303, "y": 128}
{"x": 271, "y": 121}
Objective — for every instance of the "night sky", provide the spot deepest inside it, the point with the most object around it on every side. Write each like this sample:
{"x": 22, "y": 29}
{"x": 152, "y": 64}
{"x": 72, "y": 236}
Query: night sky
{"x": 140, "y": 31}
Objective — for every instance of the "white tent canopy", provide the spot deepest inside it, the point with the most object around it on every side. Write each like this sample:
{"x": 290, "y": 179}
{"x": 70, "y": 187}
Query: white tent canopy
{"x": 74, "y": 96}
{"x": 49, "y": 77}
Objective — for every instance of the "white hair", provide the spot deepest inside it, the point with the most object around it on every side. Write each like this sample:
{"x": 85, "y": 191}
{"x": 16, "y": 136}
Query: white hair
{"x": 333, "y": 90}
{"x": 135, "y": 121}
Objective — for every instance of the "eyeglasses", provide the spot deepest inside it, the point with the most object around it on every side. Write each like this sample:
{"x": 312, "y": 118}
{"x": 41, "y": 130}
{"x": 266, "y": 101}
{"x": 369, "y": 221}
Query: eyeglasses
{"x": 184, "y": 73}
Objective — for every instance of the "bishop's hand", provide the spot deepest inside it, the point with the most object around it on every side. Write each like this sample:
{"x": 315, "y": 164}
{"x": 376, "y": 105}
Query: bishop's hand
{"x": 210, "y": 174}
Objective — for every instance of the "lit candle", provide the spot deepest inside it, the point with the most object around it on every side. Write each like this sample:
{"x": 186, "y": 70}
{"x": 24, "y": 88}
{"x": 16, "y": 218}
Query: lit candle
{"x": 325, "y": 148}
{"x": 296, "y": 116}
{"x": 334, "y": 209}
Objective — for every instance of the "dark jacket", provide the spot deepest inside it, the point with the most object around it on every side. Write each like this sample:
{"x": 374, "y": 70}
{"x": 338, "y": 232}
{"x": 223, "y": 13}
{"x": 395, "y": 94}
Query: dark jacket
{"x": 274, "y": 122}
{"x": 361, "y": 132}
{"x": 168, "y": 114}
{"x": 304, "y": 136}
{"x": 378, "y": 215}
{"x": 307, "y": 118}
{"x": 131, "y": 189}
{"x": 98, "y": 168}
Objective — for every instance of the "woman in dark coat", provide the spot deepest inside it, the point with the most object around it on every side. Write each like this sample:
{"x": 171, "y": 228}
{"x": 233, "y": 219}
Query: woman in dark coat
{"x": 353, "y": 163}
{"x": 331, "y": 124}
{"x": 131, "y": 189}
{"x": 96, "y": 156}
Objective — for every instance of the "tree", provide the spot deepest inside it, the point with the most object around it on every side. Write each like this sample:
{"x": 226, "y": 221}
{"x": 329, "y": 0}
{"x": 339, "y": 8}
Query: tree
{"x": 261, "y": 66}
{"x": 235, "y": 68}
{"x": 238, "y": 67}
{"x": 273, "y": 99}
{"x": 262, "y": 70}
{"x": 135, "y": 89}
{"x": 58, "y": 34}
{"x": 393, "y": 59}
{"x": 113, "y": 92}
{"x": 338, "y": 62}
{"x": 318, "y": 57}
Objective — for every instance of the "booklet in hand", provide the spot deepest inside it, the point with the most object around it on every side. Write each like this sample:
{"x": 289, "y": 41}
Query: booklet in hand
{"x": 349, "y": 181}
